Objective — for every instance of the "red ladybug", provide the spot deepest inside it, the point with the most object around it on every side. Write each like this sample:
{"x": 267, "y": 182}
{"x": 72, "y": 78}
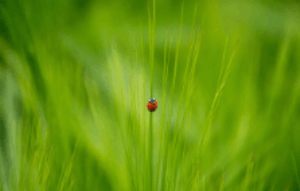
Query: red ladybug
{"x": 152, "y": 104}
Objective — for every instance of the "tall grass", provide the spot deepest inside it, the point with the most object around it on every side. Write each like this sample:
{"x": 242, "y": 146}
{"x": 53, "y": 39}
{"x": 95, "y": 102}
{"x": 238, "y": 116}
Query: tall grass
{"x": 75, "y": 79}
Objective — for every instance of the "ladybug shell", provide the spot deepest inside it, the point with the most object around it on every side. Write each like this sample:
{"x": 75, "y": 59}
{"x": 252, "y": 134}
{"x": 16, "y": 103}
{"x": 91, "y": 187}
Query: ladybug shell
{"x": 152, "y": 107}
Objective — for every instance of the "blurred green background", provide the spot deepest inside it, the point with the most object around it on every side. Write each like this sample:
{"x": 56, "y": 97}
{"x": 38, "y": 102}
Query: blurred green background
{"x": 76, "y": 75}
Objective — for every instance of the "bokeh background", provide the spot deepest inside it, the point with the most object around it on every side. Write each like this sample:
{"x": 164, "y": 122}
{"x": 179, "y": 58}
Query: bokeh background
{"x": 76, "y": 75}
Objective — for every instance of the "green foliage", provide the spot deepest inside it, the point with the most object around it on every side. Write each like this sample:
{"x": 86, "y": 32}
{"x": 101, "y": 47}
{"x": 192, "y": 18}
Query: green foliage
{"x": 75, "y": 78}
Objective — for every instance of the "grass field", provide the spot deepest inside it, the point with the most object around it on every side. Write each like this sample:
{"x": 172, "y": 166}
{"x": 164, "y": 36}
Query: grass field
{"x": 76, "y": 75}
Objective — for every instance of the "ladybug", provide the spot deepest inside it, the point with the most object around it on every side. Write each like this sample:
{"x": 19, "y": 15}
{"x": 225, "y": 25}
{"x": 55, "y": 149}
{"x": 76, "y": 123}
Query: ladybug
{"x": 152, "y": 104}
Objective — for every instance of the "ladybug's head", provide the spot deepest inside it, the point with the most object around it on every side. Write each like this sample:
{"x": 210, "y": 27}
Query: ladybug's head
{"x": 152, "y": 100}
